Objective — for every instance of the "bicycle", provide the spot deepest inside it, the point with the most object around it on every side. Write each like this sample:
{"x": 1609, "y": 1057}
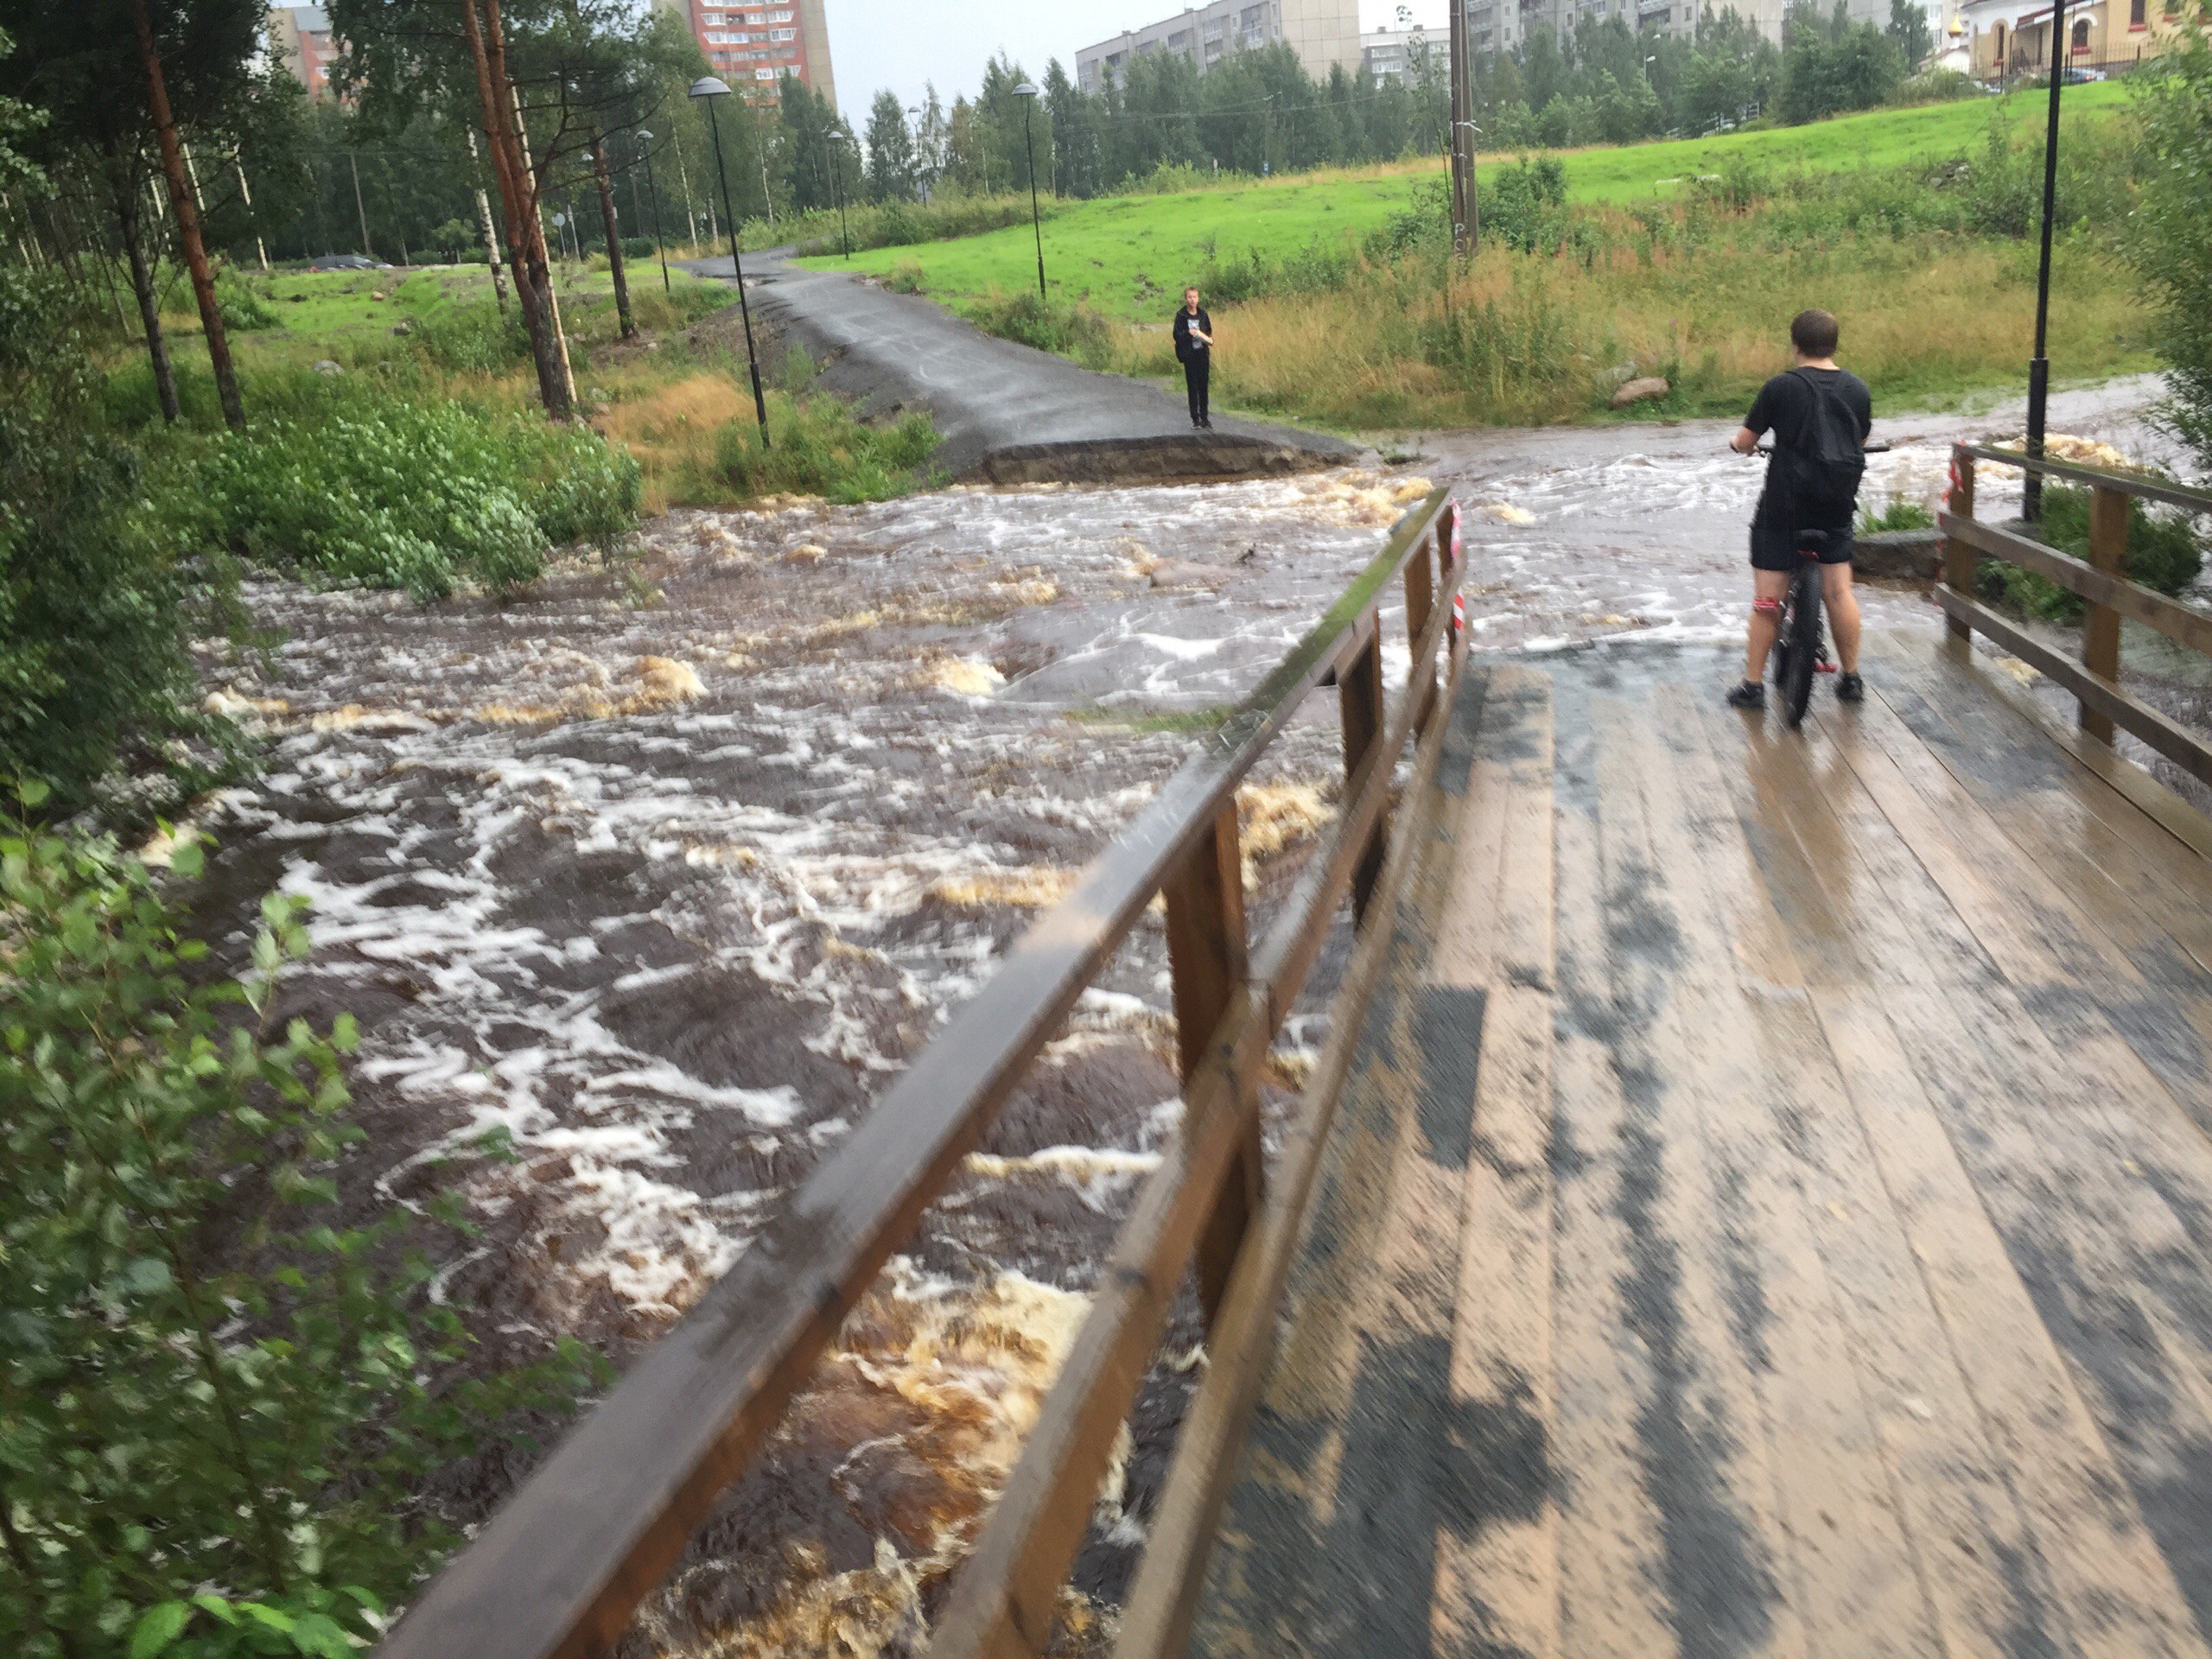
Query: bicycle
{"x": 1800, "y": 652}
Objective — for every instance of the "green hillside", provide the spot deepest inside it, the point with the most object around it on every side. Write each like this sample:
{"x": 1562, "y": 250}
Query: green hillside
{"x": 1129, "y": 256}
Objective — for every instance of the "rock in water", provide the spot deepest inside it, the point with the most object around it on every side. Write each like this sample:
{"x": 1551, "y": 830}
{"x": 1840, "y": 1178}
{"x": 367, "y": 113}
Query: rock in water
{"x": 1639, "y": 390}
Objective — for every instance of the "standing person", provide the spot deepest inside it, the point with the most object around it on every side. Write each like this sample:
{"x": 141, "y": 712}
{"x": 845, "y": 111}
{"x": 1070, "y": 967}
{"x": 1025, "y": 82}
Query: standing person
{"x": 1193, "y": 332}
{"x": 1820, "y": 416}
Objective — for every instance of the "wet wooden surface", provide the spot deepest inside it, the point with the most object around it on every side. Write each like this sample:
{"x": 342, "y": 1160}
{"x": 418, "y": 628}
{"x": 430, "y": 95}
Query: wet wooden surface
{"x": 1772, "y": 1210}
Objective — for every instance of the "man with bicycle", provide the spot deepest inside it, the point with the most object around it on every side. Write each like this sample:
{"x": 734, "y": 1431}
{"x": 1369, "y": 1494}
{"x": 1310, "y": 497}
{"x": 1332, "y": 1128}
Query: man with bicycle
{"x": 1820, "y": 416}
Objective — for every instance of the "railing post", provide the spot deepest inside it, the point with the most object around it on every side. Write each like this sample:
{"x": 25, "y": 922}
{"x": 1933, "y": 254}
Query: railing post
{"x": 1420, "y": 604}
{"x": 1959, "y": 558}
{"x": 1207, "y": 960}
{"x": 1359, "y": 697}
{"x": 2101, "y": 627}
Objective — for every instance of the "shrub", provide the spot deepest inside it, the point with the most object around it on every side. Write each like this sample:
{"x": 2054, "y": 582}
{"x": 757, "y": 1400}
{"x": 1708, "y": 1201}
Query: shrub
{"x": 244, "y": 308}
{"x": 818, "y": 446}
{"x": 1070, "y": 328}
{"x": 2163, "y": 552}
{"x": 1524, "y": 205}
{"x": 905, "y": 279}
{"x": 380, "y": 490}
{"x": 208, "y": 1382}
{"x": 2170, "y": 238}
{"x": 1901, "y": 513}
{"x": 94, "y": 612}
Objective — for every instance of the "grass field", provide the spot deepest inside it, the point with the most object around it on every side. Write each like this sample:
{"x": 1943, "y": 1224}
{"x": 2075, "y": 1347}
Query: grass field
{"x": 1129, "y": 256}
{"x": 331, "y": 308}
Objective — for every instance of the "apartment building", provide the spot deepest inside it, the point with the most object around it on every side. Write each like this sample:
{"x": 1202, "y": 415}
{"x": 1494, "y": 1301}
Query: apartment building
{"x": 1388, "y": 53}
{"x": 1323, "y": 33}
{"x": 299, "y": 38}
{"x": 753, "y": 45}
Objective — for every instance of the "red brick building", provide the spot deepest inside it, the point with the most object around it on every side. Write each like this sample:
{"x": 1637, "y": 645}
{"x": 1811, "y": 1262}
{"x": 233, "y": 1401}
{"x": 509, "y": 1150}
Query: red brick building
{"x": 752, "y": 46}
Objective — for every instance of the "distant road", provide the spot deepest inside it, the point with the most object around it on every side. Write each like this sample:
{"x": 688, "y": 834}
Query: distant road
{"x": 1006, "y": 413}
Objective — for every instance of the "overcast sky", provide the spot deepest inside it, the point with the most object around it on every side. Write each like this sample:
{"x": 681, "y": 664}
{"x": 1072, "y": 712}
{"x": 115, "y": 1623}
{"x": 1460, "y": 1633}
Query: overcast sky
{"x": 902, "y": 44}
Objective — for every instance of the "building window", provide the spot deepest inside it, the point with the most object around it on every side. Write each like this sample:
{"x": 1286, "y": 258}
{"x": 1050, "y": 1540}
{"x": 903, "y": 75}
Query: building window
{"x": 710, "y": 17}
{"x": 2136, "y": 11}
{"x": 2081, "y": 34}
{"x": 783, "y": 34}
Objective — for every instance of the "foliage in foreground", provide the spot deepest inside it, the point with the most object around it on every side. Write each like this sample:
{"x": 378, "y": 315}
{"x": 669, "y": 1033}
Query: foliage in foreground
{"x": 219, "y": 1399}
{"x": 819, "y": 447}
{"x": 2163, "y": 552}
{"x": 94, "y": 612}
{"x": 392, "y": 493}
{"x": 2171, "y": 238}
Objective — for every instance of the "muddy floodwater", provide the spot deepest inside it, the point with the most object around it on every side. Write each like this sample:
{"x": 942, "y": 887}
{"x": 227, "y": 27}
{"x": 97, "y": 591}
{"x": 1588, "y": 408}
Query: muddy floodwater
{"x": 654, "y": 875}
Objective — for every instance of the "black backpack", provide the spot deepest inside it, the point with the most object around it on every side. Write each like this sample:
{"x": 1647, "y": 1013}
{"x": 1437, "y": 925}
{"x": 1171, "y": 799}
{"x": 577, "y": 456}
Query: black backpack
{"x": 1828, "y": 461}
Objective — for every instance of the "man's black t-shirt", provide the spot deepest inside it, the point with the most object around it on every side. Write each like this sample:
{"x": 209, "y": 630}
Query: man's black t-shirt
{"x": 1185, "y": 347}
{"x": 1783, "y": 406}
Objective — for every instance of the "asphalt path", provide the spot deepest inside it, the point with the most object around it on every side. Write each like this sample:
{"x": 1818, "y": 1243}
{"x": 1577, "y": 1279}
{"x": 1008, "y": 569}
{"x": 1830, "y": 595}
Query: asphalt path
{"x": 1006, "y": 413}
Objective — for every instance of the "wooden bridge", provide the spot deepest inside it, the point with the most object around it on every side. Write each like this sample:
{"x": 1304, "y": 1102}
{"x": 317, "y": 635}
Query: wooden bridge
{"x": 1757, "y": 1200}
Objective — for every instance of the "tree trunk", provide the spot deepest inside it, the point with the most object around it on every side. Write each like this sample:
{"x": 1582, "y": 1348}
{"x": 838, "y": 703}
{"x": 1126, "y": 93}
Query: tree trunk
{"x": 187, "y": 224}
{"x": 133, "y": 230}
{"x": 518, "y": 198}
{"x": 491, "y": 233}
{"x": 613, "y": 235}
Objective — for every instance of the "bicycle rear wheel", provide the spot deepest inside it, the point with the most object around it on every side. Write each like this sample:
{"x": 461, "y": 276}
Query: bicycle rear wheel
{"x": 1801, "y": 634}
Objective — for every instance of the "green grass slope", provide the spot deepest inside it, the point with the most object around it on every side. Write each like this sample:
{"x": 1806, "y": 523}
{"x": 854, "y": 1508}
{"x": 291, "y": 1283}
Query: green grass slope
{"x": 1130, "y": 256}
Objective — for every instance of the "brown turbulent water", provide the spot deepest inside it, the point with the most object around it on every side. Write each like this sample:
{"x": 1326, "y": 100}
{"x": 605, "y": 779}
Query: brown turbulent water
{"x": 660, "y": 874}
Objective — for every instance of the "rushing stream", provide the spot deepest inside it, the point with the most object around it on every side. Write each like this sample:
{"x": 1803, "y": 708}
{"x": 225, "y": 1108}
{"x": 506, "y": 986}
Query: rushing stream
{"x": 657, "y": 874}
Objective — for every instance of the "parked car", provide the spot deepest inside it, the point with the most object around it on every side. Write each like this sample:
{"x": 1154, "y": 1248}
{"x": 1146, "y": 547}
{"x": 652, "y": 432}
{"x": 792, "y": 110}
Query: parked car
{"x": 2082, "y": 77}
{"x": 346, "y": 262}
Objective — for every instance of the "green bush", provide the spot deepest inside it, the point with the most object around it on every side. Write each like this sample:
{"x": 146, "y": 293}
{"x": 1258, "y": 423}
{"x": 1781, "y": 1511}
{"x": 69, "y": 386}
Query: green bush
{"x": 219, "y": 1403}
{"x": 378, "y": 489}
{"x": 817, "y": 447}
{"x": 95, "y": 612}
{"x": 1901, "y": 513}
{"x": 2163, "y": 552}
{"x": 1070, "y": 328}
{"x": 905, "y": 279}
{"x": 244, "y": 308}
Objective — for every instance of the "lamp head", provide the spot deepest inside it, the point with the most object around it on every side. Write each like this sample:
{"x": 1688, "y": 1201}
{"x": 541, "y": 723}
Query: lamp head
{"x": 644, "y": 134}
{"x": 1024, "y": 89}
{"x": 707, "y": 87}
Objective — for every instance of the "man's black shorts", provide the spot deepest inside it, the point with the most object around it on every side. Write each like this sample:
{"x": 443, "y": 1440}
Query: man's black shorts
{"x": 1775, "y": 547}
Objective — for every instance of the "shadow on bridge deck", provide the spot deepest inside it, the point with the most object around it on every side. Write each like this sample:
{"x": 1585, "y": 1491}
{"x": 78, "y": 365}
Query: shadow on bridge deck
{"x": 1772, "y": 1210}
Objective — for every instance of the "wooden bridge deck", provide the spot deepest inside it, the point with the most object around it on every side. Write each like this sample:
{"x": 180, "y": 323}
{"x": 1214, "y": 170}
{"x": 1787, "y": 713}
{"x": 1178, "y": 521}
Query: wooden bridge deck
{"x": 1772, "y": 1210}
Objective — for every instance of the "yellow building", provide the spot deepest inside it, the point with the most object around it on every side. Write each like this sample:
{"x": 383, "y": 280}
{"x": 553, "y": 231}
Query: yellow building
{"x": 2106, "y": 36}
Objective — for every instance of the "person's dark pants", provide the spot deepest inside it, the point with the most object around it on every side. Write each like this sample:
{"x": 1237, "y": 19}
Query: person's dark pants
{"x": 1194, "y": 382}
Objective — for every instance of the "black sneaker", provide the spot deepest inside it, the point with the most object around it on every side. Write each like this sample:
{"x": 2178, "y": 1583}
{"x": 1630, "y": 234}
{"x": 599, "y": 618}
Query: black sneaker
{"x": 1751, "y": 694}
{"x": 1849, "y": 688}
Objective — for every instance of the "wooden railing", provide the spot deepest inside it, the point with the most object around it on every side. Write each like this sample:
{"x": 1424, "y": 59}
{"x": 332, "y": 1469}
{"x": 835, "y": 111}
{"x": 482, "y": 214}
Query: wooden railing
{"x": 560, "y": 1570}
{"x": 2101, "y": 582}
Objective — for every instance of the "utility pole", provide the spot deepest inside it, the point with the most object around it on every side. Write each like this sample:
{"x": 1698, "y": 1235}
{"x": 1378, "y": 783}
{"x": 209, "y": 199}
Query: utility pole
{"x": 359, "y": 206}
{"x": 1461, "y": 133}
{"x": 246, "y": 195}
{"x": 2040, "y": 365}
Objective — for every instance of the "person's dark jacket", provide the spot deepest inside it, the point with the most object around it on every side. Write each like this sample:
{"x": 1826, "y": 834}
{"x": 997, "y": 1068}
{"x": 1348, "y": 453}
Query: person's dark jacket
{"x": 1185, "y": 347}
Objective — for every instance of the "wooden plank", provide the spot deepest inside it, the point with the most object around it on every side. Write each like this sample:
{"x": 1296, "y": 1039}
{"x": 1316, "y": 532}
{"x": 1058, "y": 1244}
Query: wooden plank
{"x": 1359, "y": 693}
{"x": 2178, "y": 743}
{"x": 1760, "y": 1093}
{"x": 1673, "y": 1536}
{"x": 2103, "y": 585}
{"x": 1420, "y": 603}
{"x": 2189, "y": 831}
{"x": 1207, "y": 964}
{"x": 556, "y": 1572}
{"x": 1996, "y": 1459}
{"x": 1960, "y": 556}
{"x": 2149, "y": 486}
{"x": 2101, "y": 627}
{"x": 1498, "y": 1581}
{"x": 1156, "y": 1618}
{"x": 2063, "y": 815}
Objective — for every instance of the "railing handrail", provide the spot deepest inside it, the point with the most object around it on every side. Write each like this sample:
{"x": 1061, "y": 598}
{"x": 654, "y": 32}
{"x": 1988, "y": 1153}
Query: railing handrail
{"x": 558, "y": 1571}
{"x": 2101, "y": 582}
{"x": 2150, "y": 485}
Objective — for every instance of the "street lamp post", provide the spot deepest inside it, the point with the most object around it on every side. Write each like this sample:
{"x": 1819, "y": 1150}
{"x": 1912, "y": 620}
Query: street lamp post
{"x": 2040, "y": 365}
{"x": 837, "y": 191}
{"x": 1027, "y": 93}
{"x": 660, "y": 246}
{"x": 708, "y": 89}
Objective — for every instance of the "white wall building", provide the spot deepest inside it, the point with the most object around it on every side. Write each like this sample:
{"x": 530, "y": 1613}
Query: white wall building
{"x": 1322, "y": 32}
